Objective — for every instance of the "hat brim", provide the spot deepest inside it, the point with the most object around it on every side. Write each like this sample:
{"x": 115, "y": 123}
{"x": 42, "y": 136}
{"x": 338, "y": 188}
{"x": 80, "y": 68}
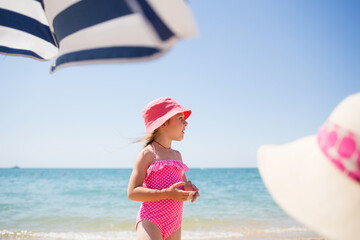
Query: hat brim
{"x": 167, "y": 116}
{"x": 311, "y": 189}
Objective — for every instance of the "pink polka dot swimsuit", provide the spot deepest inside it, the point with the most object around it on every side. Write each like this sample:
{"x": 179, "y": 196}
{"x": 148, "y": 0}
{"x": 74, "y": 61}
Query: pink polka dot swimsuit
{"x": 165, "y": 213}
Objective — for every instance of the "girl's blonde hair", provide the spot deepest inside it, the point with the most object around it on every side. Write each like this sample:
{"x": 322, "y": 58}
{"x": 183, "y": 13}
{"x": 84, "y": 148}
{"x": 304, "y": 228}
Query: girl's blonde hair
{"x": 148, "y": 139}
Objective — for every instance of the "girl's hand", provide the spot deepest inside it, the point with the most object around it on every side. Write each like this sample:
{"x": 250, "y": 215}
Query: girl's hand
{"x": 191, "y": 187}
{"x": 173, "y": 192}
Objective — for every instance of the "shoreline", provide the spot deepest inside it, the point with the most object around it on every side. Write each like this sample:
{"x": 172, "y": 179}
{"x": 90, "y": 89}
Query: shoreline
{"x": 131, "y": 235}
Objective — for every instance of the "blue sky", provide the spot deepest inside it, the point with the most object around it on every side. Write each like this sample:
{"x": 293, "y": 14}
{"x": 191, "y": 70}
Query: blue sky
{"x": 260, "y": 72}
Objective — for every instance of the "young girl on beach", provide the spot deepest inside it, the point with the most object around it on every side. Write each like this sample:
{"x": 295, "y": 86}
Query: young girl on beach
{"x": 158, "y": 179}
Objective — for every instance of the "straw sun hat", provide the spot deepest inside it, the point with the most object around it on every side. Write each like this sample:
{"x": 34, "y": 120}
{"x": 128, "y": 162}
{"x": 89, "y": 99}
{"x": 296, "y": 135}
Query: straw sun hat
{"x": 316, "y": 179}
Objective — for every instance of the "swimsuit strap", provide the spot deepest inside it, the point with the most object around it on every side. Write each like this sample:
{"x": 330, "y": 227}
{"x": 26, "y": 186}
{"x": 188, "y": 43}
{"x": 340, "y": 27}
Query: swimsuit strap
{"x": 152, "y": 144}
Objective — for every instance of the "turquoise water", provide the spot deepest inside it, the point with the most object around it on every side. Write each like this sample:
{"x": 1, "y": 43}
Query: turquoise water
{"x": 92, "y": 204}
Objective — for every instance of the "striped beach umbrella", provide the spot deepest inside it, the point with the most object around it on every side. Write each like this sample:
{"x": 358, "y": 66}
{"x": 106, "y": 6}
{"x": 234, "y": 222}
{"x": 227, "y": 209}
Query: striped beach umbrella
{"x": 93, "y": 31}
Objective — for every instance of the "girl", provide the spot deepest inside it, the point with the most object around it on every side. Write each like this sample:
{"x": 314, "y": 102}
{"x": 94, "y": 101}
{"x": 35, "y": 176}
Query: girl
{"x": 158, "y": 179}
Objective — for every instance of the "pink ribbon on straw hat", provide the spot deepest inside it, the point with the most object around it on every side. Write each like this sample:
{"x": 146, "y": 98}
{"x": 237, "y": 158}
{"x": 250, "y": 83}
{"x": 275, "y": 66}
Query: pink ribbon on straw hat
{"x": 316, "y": 179}
{"x": 341, "y": 147}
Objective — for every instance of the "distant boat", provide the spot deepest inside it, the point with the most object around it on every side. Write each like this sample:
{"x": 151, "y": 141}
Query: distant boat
{"x": 15, "y": 167}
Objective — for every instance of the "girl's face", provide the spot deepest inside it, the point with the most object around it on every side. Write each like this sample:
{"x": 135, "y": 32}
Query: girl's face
{"x": 175, "y": 127}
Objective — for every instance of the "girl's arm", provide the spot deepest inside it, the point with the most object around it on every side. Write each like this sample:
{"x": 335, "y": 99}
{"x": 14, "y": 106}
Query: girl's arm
{"x": 137, "y": 192}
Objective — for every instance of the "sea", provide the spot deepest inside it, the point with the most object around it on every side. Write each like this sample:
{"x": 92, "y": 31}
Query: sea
{"x": 66, "y": 204}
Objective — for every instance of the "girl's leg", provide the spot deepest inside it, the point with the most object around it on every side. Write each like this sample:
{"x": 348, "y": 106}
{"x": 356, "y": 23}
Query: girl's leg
{"x": 148, "y": 231}
{"x": 176, "y": 235}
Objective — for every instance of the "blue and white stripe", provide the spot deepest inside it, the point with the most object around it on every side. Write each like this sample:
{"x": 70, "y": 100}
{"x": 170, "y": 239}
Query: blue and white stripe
{"x": 93, "y": 31}
{"x": 24, "y": 30}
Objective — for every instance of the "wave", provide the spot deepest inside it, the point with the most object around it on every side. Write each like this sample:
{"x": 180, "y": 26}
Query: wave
{"x": 119, "y": 235}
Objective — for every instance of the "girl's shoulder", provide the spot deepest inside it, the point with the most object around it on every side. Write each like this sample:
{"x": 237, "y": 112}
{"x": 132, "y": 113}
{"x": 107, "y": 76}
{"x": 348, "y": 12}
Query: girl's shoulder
{"x": 148, "y": 149}
{"x": 146, "y": 155}
{"x": 178, "y": 154}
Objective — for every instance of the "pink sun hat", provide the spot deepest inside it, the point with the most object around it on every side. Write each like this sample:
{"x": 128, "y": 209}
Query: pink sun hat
{"x": 158, "y": 111}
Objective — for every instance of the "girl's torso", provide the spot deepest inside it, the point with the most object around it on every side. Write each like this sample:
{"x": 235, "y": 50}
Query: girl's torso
{"x": 164, "y": 173}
